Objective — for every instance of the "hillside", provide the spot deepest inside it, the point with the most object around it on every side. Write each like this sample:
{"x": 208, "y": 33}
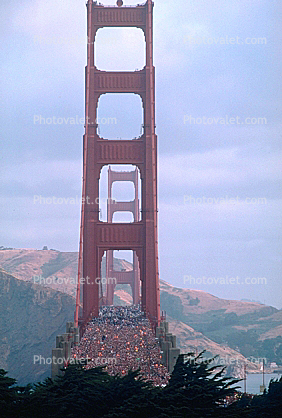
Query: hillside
{"x": 31, "y": 317}
{"x": 250, "y": 328}
{"x": 197, "y": 318}
{"x": 51, "y": 268}
{"x": 40, "y": 266}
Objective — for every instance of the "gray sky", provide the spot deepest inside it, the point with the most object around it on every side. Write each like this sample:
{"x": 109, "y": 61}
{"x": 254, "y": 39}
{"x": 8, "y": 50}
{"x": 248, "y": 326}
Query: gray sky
{"x": 214, "y": 61}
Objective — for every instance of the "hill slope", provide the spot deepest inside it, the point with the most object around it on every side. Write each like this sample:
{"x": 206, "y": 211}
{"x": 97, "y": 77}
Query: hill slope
{"x": 31, "y": 317}
{"x": 203, "y": 320}
{"x": 51, "y": 268}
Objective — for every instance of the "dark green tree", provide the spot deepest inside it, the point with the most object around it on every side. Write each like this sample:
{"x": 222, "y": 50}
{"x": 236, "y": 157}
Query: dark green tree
{"x": 12, "y": 397}
{"x": 270, "y": 403}
{"x": 85, "y": 393}
{"x": 8, "y": 394}
{"x": 199, "y": 388}
{"x": 196, "y": 389}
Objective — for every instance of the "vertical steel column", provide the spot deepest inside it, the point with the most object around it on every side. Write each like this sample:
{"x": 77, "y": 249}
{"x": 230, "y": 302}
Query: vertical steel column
{"x": 129, "y": 277}
{"x": 140, "y": 236}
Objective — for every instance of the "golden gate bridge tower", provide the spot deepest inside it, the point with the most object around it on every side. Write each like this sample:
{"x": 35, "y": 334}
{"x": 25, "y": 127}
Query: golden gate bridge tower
{"x": 114, "y": 277}
{"x": 140, "y": 236}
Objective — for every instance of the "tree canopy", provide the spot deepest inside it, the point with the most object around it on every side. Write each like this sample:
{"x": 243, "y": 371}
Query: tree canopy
{"x": 195, "y": 389}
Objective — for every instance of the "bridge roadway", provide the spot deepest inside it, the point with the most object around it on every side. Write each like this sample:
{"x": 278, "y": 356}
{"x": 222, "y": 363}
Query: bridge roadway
{"x": 121, "y": 338}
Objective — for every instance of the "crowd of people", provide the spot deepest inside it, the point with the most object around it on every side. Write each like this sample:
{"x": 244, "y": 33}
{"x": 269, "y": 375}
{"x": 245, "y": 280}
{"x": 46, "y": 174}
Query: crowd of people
{"x": 121, "y": 338}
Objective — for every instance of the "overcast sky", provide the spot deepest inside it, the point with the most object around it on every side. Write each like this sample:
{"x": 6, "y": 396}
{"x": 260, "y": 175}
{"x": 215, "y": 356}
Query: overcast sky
{"x": 214, "y": 60}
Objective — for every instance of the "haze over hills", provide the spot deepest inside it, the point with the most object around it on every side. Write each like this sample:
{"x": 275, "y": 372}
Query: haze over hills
{"x": 232, "y": 329}
{"x": 51, "y": 268}
{"x": 31, "y": 317}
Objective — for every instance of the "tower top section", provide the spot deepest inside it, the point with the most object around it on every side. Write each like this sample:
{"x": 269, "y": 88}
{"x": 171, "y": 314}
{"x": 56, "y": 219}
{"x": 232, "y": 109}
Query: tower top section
{"x": 120, "y": 15}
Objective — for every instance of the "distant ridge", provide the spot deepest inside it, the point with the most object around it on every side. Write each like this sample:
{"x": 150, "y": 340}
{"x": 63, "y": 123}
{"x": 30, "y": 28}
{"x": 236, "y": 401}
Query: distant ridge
{"x": 199, "y": 320}
{"x": 31, "y": 317}
{"x": 251, "y": 300}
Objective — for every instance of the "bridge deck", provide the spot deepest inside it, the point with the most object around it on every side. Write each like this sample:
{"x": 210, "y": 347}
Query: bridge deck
{"x": 121, "y": 338}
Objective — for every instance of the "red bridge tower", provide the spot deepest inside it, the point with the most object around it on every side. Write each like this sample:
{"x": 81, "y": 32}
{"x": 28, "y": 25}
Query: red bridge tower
{"x": 140, "y": 236}
{"x": 122, "y": 277}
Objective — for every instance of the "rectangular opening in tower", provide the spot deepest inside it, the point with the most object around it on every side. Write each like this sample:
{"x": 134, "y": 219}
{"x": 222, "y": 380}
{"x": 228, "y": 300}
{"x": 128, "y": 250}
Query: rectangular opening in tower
{"x": 121, "y": 285}
{"x": 120, "y": 116}
{"x": 119, "y": 49}
{"x": 120, "y": 201}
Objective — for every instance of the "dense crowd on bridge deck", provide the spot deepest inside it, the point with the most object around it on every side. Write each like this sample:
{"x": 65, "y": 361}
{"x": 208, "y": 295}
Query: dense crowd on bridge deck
{"x": 122, "y": 338}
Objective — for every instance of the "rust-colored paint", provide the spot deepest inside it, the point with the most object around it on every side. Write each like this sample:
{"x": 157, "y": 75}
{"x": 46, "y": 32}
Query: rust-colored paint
{"x": 122, "y": 277}
{"x": 140, "y": 236}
